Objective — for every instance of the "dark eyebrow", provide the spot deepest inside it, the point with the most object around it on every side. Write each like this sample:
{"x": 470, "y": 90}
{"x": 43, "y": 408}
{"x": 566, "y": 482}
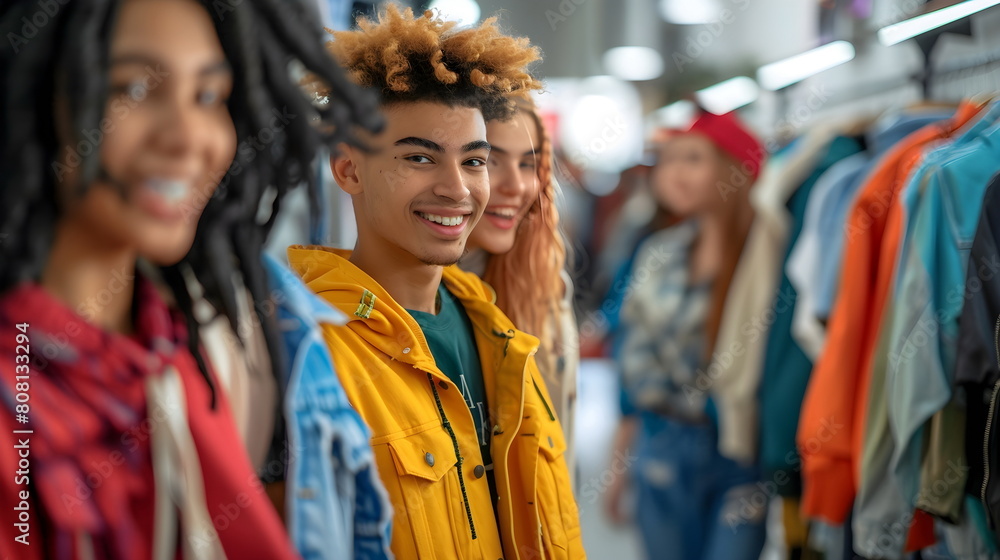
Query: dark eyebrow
{"x": 435, "y": 147}
{"x": 220, "y": 67}
{"x": 477, "y": 145}
{"x": 532, "y": 152}
{"x": 420, "y": 143}
{"x": 134, "y": 58}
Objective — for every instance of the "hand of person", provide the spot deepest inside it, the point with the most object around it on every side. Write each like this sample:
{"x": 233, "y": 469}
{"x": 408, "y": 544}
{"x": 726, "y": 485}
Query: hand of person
{"x": 615, "y": 503}
{"x": 614, "y": 498}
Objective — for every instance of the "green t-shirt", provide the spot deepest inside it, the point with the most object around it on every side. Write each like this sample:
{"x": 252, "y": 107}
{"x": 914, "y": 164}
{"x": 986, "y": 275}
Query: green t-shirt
{"x": 453, "y": 345}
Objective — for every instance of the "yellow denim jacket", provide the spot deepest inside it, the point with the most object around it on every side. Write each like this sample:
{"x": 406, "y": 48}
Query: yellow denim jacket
{"x": 424, "y": 436}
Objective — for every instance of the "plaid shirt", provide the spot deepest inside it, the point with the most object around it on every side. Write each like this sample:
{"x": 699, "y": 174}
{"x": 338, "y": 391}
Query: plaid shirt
{"x": 92, "y": 491}
{"x": 663, "y": 318}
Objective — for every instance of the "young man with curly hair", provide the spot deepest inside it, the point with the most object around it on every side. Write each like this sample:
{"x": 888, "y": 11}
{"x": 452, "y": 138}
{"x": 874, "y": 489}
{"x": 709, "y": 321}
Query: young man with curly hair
{"x": 463, "y": 429}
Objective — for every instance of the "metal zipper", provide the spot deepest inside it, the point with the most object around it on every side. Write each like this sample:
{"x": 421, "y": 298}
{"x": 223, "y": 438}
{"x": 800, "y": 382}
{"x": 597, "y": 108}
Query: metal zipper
{"x": 458, "y": 454}
{"x": 989, "y": 418}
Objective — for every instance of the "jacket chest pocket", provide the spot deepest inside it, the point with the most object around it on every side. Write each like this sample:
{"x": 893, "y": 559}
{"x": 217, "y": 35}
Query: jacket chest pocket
{"x": 557, "y": 511}
{"x": 429, "y": 519}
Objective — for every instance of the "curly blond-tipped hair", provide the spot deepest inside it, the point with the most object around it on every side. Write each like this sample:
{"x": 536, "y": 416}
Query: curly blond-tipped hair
{"x": 409, "y": 59}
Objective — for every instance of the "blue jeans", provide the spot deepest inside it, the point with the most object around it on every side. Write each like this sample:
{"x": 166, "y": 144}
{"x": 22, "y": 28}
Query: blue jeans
{"x": 693, "y": 503}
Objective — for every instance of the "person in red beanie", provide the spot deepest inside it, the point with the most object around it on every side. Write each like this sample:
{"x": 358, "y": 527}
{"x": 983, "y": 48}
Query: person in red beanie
{"x": 692, "y": 503}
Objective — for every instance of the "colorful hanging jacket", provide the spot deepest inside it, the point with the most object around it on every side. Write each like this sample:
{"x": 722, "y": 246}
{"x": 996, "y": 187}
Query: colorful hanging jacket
{"x": 832, "y": 422}
{"x": 977, "y": 368}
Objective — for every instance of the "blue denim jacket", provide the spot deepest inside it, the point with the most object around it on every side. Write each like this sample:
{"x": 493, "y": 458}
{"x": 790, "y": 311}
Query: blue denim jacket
{"x": 336, "y": 506}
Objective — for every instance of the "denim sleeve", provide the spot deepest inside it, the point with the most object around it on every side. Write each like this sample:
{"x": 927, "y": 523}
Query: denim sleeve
{"x": 611, "y": 307}
{"x": 625, "y": 403}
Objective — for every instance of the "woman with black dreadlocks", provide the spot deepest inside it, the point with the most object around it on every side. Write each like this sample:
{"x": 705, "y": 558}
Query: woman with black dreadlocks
{"x": 121, "y": 121}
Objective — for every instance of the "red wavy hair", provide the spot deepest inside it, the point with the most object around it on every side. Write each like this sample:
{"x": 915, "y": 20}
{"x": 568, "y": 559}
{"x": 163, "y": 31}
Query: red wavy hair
{"x": 527, "y": 279}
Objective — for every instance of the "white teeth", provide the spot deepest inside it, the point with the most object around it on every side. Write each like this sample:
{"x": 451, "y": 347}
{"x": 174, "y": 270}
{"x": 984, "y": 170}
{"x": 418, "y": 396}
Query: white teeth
{"x": 443, "y": 220}
{"x": 172, "y": 190}
{"x": 504, "y": 212}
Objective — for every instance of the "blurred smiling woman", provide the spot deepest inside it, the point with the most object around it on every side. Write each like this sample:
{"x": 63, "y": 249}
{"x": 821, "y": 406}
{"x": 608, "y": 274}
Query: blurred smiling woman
{"x": 518, "y": 249}
{"x": 120, "y": 119}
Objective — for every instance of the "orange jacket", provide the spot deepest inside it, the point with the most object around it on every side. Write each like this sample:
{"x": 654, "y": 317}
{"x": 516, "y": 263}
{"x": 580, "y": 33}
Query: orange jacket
{"x": 831, "y": 428}
{"x": 389, "y": 374}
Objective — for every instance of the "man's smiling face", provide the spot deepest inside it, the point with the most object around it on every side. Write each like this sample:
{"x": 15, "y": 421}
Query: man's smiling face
{"x": 421, "y": 190}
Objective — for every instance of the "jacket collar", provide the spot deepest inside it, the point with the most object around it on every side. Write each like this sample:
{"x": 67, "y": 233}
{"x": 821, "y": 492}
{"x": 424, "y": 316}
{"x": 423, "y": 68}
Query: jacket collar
{"x": 371, "y": 312}
{"x": 375, "y": 316}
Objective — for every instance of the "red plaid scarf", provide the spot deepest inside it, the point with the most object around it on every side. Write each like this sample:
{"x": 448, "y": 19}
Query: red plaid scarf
{"x": 90, "y": 450}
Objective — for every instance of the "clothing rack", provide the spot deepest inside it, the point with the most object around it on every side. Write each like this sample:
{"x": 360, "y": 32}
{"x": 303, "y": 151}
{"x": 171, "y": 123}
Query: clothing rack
{"x": 926, "y": 79}
{"x": 976, "y": 63}
{"x": 927, "y": 76}
{"x": 972, "y": 64}
{"x": 928, "y": 43}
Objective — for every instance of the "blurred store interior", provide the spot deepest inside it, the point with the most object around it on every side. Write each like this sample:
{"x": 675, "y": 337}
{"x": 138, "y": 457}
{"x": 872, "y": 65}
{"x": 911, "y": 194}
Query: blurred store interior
{"x": 616, "y": 71}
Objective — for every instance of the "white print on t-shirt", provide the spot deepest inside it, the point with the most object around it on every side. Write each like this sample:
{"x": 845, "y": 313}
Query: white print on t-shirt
{"x": 467, "y": 395}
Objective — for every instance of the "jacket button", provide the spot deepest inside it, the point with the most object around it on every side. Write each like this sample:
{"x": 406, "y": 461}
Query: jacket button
{"x": 443, "y": 385}
{"x": 430, "y": 459}
{"x": 406, "y": 350}
{"x": 479, "y": 471}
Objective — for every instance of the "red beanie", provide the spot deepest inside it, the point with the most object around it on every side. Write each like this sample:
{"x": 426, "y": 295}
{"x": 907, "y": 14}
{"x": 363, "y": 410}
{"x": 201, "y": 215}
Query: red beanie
{"x": 729, "y": 134}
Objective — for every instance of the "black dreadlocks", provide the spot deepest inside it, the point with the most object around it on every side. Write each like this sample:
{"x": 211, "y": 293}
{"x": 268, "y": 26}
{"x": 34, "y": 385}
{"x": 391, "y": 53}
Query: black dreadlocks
{"x": 58, "y": 49}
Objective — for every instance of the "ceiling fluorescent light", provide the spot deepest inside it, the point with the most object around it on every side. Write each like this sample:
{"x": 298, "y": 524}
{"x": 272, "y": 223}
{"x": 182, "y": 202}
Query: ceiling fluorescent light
{"x": 899, "y": 32}
{"x": 783, "y": 73}
{"x": 688, "y": 12}
{"x": 729, "y": 95}
{"x": 678, "y": 114}
{"x": 634, "y": 64}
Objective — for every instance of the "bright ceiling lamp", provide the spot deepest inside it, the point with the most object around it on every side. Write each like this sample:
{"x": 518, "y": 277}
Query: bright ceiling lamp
{"x": 690, "y": 12}
{"x": 633, "y": 64}
{"x": 600, "y": 123}
{"x": 465, "y": 12}
{"x": 899, "y": 32}
{"x": 729, "y": 95}
{"x": 678, "y": 114}
{"x": 786, "y": 72}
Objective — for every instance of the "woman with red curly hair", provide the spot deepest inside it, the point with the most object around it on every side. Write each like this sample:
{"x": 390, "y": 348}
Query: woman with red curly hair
{"x": 518, "y": 249}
